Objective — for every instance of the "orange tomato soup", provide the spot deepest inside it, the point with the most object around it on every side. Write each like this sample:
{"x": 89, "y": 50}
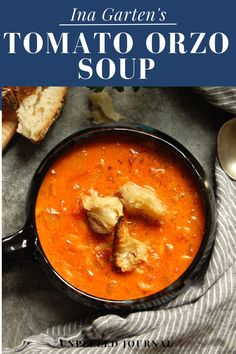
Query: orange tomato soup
{"x": 84, "y": 258}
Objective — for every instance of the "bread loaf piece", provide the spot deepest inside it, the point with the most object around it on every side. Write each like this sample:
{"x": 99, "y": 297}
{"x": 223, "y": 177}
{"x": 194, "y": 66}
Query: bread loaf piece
{"x": 38, "y": 111}
{"x": 12, "y": 96}
{"x": 9, "y": 125}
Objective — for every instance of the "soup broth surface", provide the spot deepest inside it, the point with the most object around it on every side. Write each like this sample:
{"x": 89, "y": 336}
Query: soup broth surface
{"x": 84, "y": 258}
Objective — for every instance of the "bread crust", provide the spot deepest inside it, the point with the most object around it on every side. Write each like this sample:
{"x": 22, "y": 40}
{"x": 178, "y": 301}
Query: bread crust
{"x": 13, "y": 95}
{"x": 54, "y": 115}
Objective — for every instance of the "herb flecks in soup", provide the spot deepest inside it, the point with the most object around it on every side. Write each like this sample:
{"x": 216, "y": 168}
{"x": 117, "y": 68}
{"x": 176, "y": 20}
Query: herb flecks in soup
{"x": 148, "y": 254}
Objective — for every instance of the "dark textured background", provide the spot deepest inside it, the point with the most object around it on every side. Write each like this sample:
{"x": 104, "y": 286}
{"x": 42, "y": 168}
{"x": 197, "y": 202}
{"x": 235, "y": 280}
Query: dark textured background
{"x": 30, "y": 303}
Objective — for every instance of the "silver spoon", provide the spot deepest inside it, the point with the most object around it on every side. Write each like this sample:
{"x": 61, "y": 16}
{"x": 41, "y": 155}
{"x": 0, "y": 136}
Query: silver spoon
{"x": 226, "y": 147}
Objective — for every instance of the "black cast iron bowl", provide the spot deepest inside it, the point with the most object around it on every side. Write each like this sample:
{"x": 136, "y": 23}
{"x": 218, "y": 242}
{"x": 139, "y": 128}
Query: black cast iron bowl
{"x": 25, "y": 244}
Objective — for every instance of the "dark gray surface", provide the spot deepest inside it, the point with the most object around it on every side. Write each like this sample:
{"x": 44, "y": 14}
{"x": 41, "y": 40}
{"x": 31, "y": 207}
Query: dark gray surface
{"x": 30, "y": 303}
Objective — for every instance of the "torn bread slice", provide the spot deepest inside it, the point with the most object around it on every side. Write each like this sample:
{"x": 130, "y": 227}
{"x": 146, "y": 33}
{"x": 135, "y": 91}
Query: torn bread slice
{"x": 38, "y": 111}
{"x": 127, "y": 251}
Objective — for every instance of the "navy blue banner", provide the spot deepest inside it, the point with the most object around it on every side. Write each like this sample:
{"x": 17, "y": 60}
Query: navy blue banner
{"x": 118, "y": 43}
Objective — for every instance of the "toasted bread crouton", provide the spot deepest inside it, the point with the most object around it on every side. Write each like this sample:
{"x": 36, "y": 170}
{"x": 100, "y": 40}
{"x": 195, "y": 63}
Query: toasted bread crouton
{"x": 142, "y": 201}
{"x": 103, "y": 212}
{"x": 127, "y": 251}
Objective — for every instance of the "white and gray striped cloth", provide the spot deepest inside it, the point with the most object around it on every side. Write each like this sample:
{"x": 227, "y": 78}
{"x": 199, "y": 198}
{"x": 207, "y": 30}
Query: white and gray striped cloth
{"x": 201, "y": 320}
{"x": 222, "y": 97}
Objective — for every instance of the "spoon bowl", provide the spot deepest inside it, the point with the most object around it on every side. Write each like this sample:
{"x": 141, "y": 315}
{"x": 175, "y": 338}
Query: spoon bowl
{"x": 226, "y": 147}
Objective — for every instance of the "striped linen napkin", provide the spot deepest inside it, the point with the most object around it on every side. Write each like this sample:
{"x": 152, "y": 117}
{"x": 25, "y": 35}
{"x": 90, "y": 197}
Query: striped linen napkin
{"x": 201, "y": 320}
{"x": 222, "y": 97}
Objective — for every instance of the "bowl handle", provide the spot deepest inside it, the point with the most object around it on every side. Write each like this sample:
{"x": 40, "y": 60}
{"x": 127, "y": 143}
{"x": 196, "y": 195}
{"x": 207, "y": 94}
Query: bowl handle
{"x": 19, "y": 247}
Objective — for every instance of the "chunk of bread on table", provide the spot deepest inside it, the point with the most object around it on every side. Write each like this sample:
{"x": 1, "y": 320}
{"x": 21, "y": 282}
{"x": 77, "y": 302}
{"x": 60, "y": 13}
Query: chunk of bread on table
{"x": 13, "y": 95}
{"x": 9, "y": 125}
{"x": 39, "y": 110}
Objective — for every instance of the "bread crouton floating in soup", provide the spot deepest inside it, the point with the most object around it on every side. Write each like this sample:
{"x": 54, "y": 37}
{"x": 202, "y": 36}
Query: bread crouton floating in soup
{"x": 103, "y": 212}
{"x": 127, "y": 251}
{"x": 142, "y": 201}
